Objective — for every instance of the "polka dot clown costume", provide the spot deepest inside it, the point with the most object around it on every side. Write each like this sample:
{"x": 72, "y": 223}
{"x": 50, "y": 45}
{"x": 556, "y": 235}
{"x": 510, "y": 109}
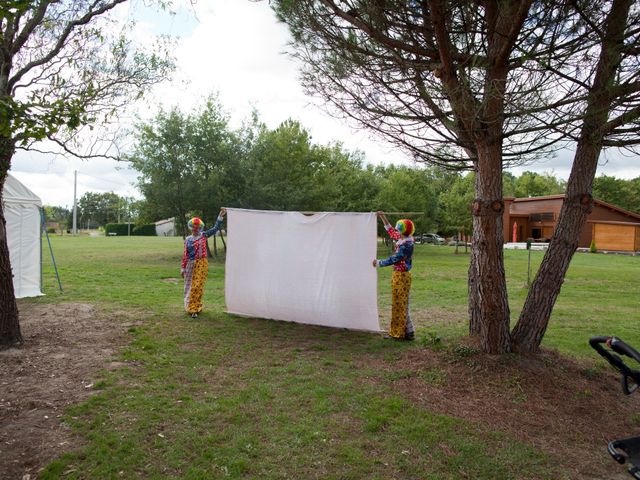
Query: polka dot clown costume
{"x": 401, "y": 327}
{"x": 195, "y": 266}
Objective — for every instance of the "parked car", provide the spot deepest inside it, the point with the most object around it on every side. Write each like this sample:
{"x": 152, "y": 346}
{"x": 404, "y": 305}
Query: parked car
{"x": 433, "y": 238}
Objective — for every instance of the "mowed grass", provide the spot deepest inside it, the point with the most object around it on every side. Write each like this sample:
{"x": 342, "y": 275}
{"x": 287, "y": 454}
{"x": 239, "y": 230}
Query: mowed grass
{"x": 229, "y": 397}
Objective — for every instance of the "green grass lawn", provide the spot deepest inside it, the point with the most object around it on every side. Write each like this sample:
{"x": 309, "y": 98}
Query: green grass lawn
{"x": 229, "y": 397}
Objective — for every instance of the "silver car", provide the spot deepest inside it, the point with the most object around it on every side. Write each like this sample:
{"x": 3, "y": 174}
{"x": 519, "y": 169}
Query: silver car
{"x": 429, "y": 238}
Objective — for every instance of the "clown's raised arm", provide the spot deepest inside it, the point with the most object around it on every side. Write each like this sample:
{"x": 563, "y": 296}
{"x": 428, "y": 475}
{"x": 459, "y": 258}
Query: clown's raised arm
{"x": 216, "y": 227}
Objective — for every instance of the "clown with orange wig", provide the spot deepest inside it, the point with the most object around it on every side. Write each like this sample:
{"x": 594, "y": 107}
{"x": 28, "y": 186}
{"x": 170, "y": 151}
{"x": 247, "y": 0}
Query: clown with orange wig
{"x": 401, "y": 327}
{"x": 195, "y": 266}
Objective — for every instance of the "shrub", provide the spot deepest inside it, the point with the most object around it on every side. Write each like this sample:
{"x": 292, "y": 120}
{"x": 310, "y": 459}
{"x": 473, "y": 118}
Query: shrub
{"x": 592, "y": 247}
{"x": 123, "y": 229}
{"x": 120, "y": 229}
{"x": 147, "y": 230}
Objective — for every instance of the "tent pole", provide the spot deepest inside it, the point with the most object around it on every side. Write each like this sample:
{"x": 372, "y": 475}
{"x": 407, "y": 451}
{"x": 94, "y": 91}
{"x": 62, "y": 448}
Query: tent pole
{"x": 41, "y": 221}
{"x": 44, "y": 228}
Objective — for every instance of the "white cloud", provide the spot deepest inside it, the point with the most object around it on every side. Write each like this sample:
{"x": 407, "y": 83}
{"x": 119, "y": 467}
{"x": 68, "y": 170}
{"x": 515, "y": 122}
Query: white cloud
{"x": 612, "y": 162}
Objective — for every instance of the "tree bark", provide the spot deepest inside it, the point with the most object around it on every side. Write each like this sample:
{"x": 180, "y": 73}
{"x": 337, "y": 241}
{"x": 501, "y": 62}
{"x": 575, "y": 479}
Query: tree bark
{"x": 10, "y": 334}
{"x": 534, "y": 318}
{"x": 488, "y": 304}
{"x": 472, "y": 288}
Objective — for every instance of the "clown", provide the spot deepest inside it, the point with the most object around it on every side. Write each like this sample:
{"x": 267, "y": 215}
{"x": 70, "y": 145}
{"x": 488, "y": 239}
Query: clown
{"x": 195, "y": 266}
{"x": 401, "y": 327}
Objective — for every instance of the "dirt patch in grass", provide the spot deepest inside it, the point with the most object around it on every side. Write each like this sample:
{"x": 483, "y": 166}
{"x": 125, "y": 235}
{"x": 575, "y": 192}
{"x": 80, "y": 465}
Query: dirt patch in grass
{"x": 65, "y": 347}
{"x": 172, "y": 280}
{"x": 561, "y": 406}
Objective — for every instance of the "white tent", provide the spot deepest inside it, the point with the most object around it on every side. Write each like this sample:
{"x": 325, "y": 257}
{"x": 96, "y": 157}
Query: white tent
{"x": 22, "y": 212}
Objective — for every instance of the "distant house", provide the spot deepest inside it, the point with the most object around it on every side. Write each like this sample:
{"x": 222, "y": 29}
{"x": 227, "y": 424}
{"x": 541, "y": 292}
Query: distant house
{"x": 166, "y": 228}
{"x": 612, "y": 228}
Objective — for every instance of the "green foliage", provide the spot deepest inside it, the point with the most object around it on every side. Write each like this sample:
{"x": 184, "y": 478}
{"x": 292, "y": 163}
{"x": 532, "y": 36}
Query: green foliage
{"x": 193, "y": 163}
{"x": 619, "y": 192}
{"x": 124, "y": 229}
{"x": 509, "y": 184}
{"x": 289, "y": 172}
{"x": 62, "y": 216}
{"x": 592, "y": 247}
{"x": 407, "y": 189}
{"x": 432, "y": 340}
{"x": 456, "y": 204}
{"x": 102, "y": 208}
{"x": 148, "y": 230}
{"x": 120, "y": 229}
{"x": 286, "y": 171}
{"x": 189, "y": 163}
{"x": 102, "y": 72}
{"x": 531, "y": 184}
{"x": 464, "y": 351}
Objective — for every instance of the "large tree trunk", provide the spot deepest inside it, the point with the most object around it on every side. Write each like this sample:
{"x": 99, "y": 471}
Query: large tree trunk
{"x": 484, "y": 123}
{"x": 10, "y": 334}
{"x": 488, "y": 303}
{"x": 534, "y": 319}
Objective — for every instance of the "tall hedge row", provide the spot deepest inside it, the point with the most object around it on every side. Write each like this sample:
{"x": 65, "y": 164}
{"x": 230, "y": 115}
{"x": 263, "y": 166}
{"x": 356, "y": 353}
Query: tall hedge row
{"x": 123, "y": 229}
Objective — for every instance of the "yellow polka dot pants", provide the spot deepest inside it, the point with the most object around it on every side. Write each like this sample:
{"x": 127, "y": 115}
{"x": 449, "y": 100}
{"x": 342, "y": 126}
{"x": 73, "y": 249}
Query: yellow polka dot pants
{"x": 400, "y": 287}
{"x": 195, "y": 277}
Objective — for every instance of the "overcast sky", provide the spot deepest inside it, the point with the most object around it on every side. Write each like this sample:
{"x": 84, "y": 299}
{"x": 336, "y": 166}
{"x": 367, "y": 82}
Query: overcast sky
{"x": 233, "y": 48}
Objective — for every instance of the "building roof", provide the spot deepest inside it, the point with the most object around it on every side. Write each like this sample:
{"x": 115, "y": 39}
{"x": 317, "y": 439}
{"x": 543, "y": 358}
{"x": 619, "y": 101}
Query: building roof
{"x": 611, "y": 222}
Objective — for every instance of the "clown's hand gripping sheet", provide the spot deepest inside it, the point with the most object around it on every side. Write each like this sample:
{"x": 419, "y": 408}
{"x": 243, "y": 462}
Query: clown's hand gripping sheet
{"x": 307, "y": 269}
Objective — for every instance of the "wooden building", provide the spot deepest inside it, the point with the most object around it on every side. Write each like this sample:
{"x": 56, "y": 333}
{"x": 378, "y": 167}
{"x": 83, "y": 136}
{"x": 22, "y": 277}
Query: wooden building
{"x": 613, "y": 228}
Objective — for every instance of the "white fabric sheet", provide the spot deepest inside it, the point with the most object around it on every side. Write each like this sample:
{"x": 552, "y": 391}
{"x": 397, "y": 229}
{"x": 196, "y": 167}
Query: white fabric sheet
{"x": 306, "y": 269}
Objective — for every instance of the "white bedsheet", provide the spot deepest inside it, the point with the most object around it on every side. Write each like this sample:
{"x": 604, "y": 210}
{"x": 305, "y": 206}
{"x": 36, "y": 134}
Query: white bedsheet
{"x": 306, "y": 269}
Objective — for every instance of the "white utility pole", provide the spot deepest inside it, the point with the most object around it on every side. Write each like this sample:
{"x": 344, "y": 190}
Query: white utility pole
{"x": 75, "y": 203}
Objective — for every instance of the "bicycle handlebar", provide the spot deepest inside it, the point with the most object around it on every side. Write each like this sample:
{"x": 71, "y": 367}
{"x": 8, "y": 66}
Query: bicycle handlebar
{"x": 618, "y": 346}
